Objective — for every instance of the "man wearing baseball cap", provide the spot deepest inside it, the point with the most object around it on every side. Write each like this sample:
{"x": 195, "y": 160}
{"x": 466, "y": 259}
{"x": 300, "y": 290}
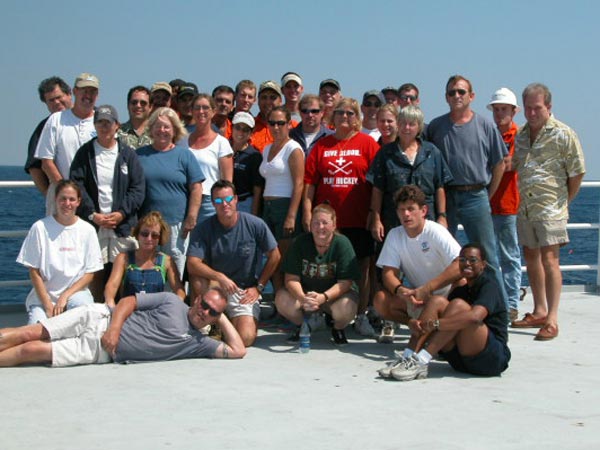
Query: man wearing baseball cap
{"x": 185, "y": 96}
{"x": 330, "y": 92}
{"x": 505, "y": 202}
{"x": 160, "y": 95}
{"x": 292, "y": 89}
{"x": 66, "y": 131}
{"x": 372, "y": 101}
{"x": 269, "y": 96}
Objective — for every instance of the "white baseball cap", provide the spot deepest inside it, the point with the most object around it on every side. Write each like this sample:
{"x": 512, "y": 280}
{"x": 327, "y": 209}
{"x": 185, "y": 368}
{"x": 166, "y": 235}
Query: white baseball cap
{"x": 504, "y": 96}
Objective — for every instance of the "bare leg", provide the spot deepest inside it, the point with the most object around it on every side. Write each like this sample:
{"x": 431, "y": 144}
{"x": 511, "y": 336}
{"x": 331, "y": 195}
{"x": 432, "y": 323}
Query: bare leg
{"x": 33, "y": 352}
{"x": 434, "y": 309}
{"x": 247, "y": 328}
{"x": 11, "y": 337}
{"x": 390, "y": 307}
{"x": 289, "y": 307}
{"x": 343, "y": 310}
{"x": 537, "y": 280}
{"x": 277, "y": 278}
{"x": 363, "y": 284}
{"x": 551, "y": 264}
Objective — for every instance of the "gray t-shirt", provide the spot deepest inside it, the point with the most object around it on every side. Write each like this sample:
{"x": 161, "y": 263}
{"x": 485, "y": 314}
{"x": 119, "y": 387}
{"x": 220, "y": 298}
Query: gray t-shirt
{"x": 159, "y": 330}
{"x": 471, "y": 149}
{"x": 236, "y": 251}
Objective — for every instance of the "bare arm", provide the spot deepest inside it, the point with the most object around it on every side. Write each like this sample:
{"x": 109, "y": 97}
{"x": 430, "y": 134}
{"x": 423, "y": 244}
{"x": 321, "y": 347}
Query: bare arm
{"x": 440, "y": 203}
{"x": 199, "y": 269}
{"x": 120, "y": 314}
{"x": 233, "y": 346}
{"x": 573, "y": 185}
{"x": 448, "y": 276}
{"x": 226, "y": 167}
{"x": 273, "y": 258}
{"x": 296, "y": 163}
{"x": 377, "y": 228}
{"x": 40, "y": 179}
{"x": 193, "y": 207}
{"x": 497, "y": 173}
{"x": 257, "y": 192}
{"x": 40, "y": 290}
{"x": 174, "y": 279}
{"x": 307, "y": 199}
{"x": 79, "y": 285}
{"x": 458, "y": 321}
{"x": 115, "y": 279}
{"x": 50, "y": 169}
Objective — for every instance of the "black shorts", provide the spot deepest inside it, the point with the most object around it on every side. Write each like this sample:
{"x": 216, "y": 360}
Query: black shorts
{"x": 490, "y": 362}
{"x": 362, "y": 242}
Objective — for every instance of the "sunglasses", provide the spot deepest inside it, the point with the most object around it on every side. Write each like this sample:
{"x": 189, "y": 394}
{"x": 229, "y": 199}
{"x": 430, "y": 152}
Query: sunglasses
{"x": 371, "y": 104}
{"x": 412, "y": 98}
{"x": 472, "y": 260}
{"x": 138, "y": 102}
{"x": 310, "y": 111}
{"x": 279, "y": 123}
{"x": 341, "y": 112}
{"x": 206, "y": 307}
{"x": 453, "y": 92}
{"x": 221, "y": 200}
{"x": 154, "y": 234}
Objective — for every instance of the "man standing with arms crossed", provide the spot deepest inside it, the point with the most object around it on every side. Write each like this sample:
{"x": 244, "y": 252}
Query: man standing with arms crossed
{"x": 549, "y": 161}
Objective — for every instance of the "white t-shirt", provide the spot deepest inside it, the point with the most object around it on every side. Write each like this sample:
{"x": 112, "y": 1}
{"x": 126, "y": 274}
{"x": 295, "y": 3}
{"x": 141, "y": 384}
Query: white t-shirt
{"x": 277, "y": 175}
{"x": 62, "y": 136}
{"x": 421, "y": 258}
{"x": 62, "y": 254}
{"x": 374, "y": 133}
{"x": 106, "y": 158}
{"x": 208, "y": 158}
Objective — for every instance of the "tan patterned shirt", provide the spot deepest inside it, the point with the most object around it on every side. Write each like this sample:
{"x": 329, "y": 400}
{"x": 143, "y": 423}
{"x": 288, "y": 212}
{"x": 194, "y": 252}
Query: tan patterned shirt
{"x": 544, "y": 168}
{"x": 128, "y": 136}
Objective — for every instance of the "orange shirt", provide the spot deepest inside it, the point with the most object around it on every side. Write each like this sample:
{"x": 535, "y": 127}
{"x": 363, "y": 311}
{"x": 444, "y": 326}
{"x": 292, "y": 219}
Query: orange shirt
{"x": 506, "y": 199}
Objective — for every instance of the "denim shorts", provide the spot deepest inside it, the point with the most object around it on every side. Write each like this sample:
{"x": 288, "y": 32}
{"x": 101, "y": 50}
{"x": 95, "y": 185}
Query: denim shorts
{"x": 274, "y": 214}
{"x": 490, "y": 362}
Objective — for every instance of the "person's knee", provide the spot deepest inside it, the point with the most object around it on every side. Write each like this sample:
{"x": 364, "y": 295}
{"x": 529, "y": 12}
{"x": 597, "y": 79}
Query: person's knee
{"x": 456, "y": 305}
{"x": 343, "y": 311}
{"x": 247, "y": 329}
{"x": 380, "y": 303}
{"x": 34, "y": 351}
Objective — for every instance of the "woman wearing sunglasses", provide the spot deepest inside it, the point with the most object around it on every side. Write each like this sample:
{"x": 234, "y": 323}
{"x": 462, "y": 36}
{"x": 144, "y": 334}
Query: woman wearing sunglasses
{"x": 335, "y": 172}
{"x": 282, "y": 168}
{"x": 145, "y": 269}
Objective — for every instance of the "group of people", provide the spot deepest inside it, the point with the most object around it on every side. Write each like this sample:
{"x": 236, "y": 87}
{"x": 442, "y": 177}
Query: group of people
{"x": 350, "y": 210}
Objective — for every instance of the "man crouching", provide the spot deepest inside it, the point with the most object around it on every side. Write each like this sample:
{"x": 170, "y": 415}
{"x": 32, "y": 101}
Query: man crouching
{"x": 145, "y": 327}
{"x": 469, "y": 329}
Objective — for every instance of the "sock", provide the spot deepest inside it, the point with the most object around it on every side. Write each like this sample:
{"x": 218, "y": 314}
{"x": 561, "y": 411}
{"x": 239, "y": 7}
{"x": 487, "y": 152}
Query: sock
{"x": 407, "y": 353}
{"x": 424, "y": 357}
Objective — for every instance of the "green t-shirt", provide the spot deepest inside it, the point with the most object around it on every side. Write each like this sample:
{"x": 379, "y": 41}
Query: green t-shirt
{"x": 319, "y": 273}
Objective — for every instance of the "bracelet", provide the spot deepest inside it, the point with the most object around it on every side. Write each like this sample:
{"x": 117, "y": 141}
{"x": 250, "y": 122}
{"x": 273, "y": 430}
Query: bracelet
{"x": 326, "y": 297}
{"x": 442, "y": 214}
{"x": 396, "y": 289}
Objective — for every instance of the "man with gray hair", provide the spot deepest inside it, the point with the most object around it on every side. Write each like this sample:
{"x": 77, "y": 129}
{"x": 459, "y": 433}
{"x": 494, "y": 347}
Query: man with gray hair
{"x": 549, "y": 160}
{"x": 65, "y": 132}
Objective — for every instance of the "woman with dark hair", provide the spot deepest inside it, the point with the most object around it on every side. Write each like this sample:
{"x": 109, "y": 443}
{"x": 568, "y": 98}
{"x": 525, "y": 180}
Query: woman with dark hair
{"x": 320, "y": 273}
{"x": 145, "y": 269}
{"x": 61, "y": 252}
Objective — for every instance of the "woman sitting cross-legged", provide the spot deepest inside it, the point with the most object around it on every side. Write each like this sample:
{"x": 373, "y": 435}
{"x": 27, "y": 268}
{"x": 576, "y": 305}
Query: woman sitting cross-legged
{"x": 320, "y": 274}
{"x": 145, "y": 269}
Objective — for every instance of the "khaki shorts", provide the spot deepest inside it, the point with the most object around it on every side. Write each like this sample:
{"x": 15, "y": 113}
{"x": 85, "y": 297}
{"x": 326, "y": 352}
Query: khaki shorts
{"x": 542, "y": 233}
{"x": 111, "y": 245}
{"x": 235, "y": 308}
{"x": 76, "y": 335}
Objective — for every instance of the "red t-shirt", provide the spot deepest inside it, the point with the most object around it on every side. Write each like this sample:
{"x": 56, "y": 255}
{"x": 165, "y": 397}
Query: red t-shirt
{"x": 337, "y": 169}
{"x": 506, "y": 199}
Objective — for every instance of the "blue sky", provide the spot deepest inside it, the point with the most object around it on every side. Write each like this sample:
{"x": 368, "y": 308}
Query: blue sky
{"x": 363, "y": 44}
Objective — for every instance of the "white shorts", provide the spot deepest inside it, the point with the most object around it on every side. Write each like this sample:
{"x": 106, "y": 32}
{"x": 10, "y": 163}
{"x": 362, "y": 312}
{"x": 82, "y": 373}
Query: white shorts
{"x": 111, "y": 245}
{"x": 75, "y": 335}
{"x": 235, "y": 308}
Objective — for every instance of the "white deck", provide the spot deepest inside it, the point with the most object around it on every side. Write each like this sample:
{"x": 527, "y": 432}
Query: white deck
{"x": 276, "y": 398}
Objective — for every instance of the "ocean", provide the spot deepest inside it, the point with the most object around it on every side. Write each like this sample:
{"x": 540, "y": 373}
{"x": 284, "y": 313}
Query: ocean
{"x": 22, "y": 206}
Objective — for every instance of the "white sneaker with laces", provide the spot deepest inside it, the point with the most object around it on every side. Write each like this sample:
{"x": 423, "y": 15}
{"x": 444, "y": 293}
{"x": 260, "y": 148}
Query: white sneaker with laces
{"x": 387, "y": 333}
{"x": 386, "y": 372}
{"x": 411, "y": 369}
{"x": 363, "y": 327}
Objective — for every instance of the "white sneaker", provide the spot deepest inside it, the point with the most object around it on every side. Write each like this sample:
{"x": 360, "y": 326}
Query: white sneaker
{"x": 386, "y": 372}
{"x": 363, "y": 327}
{"x": 411, "y": 369}
{"x": 316, "y": 322}
{"x": 387, "y": 333}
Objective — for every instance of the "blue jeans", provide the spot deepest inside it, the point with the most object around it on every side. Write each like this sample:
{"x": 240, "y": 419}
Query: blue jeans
{"x": 36, "y": 312}
{"x": 510, "y": 256}
{"x": 472, "y": 210}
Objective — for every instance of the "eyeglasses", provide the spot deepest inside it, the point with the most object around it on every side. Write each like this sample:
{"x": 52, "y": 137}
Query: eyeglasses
{"x": 242, "y": 128}
{"x": 453, "y": 92}
{"x": 405, "y": 97}
{"x": 472, "y": 260}
{"x": 221, "y": 200}
{"x": 202, "y": 107}
{"x": 146, "y": 233}
{"x": 372, "y": 104}
{"x": 279, "y": 123}
{"x": 138, "y": 102}
{"x": 310, "y": 111}
{"x": 206, "y": 307}
{"x": 341, "y": 112}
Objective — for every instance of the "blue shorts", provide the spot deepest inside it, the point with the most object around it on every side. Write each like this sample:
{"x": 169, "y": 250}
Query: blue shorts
{"x": 490, "y": 362}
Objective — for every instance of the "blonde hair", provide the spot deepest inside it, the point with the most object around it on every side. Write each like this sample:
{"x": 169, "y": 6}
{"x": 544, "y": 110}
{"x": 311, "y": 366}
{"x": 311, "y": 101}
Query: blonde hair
{"x": 179, "y": 131}
{"x": 354, "y": 106}
{"x": 151, "y": 219}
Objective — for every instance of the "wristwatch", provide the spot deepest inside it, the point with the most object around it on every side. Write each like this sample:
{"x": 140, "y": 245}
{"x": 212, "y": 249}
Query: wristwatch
{"x": 91, "y": 217}
{"x": 436, "y": 324}
{"x": 260, "y": 287}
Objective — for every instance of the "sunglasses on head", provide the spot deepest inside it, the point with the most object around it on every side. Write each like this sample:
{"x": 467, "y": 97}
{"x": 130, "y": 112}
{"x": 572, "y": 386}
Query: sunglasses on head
{"x": 453, "y": 92}
{"x": 206, "y": 307}
{"x": 221, "y": 200}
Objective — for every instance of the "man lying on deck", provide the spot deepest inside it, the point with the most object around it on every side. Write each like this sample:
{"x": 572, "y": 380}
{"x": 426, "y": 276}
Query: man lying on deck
{"x": 145, "y": 327}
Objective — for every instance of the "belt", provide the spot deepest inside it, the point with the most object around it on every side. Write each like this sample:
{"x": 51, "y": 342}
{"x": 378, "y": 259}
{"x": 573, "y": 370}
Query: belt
{"x": 467, "y": 187}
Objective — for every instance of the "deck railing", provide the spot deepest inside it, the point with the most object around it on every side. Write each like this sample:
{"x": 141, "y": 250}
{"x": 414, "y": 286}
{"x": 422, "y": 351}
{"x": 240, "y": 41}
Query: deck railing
{"x": 567, "y": 267}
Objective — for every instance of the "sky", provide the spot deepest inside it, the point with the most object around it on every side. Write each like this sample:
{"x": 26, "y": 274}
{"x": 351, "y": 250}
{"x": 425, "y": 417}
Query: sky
{"x": 363, "y": 44}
